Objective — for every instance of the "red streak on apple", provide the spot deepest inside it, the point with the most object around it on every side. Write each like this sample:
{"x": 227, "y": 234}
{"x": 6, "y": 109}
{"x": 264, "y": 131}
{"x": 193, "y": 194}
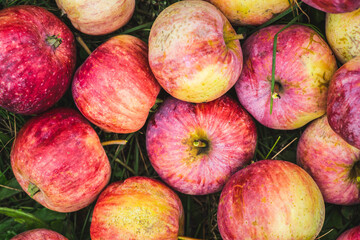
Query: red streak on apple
{"x": 270, "y": 199}
{"x": 115, "y": 88}
{"x": 343, "y": 105}
{"x": 331, "y": 161}
{"x": 34, "y": 75}
{"x": 60, "y": 153}
{"x": 304, "y": 67}
{"x": 39, "y": 234}
{"x": 226, "y": 131}
{"x": 334, "y": 6}
{"x": 351, "y": 234}
{"x": 137, "y": 208}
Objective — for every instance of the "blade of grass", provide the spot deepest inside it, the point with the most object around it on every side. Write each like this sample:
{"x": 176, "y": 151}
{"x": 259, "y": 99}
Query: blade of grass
{"x": 23, "y": 217}
{"x": 272, "y": 148}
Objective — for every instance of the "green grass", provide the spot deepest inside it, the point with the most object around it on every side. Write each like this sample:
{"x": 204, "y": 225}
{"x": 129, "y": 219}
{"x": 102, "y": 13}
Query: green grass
{"x": 18, "y": 212}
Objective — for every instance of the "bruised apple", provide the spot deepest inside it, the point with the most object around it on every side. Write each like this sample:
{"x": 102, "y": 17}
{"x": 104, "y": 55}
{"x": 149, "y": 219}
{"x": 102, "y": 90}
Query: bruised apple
{"x": 37, "y": 59}
{"x": 137, "y": 208}
{"x": 114, "y": 88}
{"x": 196, "y": 147}
{"x": 270, "y": 199}
{"x": 97, "y": 17}
{"x": 194, "y": 52}
{"x": 39, "y": 234}
{"x": 304, "y": 67}
{"x": 58, "y": 160}
{"x": 251, "y": 12}
{"x": 333, "y": 163}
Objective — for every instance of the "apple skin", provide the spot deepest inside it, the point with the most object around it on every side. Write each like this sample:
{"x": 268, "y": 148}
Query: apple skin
{"x": 39, "y": 234}
{"x": 334, "y": 6}
{"x": 223, "y": 125}
{"x": 137, "y": 208}
{"x": 351, "y": 234}
{"x": 304, "y": 66}
{"x": 270, "y": 199}
{"x": 60, "y": 153}
{"x": 331, "y": 162}
{"x": 33, "y": 74}
{"x": 189, "y": 55}
{"x": 343, "y": 34}
{"x": 343, "y": 104}
{"x": 250, "y": 12}
{"x": 114, "y": 88}
{"x": 97, "y": 17}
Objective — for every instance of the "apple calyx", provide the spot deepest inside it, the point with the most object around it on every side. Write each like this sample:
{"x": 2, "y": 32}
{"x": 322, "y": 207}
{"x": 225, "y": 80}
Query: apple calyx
{"x": 33, "y": 189}
{"x": 54, "y": 41}
{"x": 277, "y": 91}
{"x": 355, "y": 173}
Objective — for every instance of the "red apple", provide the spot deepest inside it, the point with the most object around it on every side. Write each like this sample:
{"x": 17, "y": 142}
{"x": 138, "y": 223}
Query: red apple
{"x": 39, "y": 234}
{"x": 351, "y": 234}
{"x": 59, "y": 161}
{"x": 37, "y": 59}
{"x": 97, "y": 17}
{"x": 343, "y": 34}
{"x": 304, "y": 66}
{"x": 193, "y": 51}
{"x": 137, "y": 208}
{"x": 332, "y": 162}
{"x": 270, "y": 199}
{"x": 343, "y": 105}
{"x": 334, "y": 6}
{"x": 251, "y": 12}
{"x": 114, "y": 88}
{"x": 196, "y": 147}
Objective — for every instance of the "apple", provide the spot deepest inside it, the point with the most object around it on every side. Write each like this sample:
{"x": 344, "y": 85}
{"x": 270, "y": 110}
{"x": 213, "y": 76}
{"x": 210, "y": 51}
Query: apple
{"x": 251, "y": 12}
{"x": 37, "y": 59}
{"x": 194, "y": 52}
{"x": 334, "y": 6}
{"x": 97, "y": 17}
{"x": 351, "y": 234}
{"x": 114, "y": 88}
{"x": 195, "y": 148}
{"x": 343, "y": 104}
{"x": 137, "y": 208}
{"x": 304, "y": 67}
{"x": 39, "y": 234}
{"x": 58, "y": 160}
{"x": 332, "y": 162}
{"x": 270, "y": 199}
{"x": 343, "y": 34}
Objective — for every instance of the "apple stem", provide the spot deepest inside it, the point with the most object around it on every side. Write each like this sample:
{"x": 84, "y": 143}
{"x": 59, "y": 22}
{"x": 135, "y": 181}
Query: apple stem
{"x": 199, "y": 143}
{"x": 233, "y": 37}
{"x": 187, "y": 238}
{"x": 33, "y": 189}
{"x": 54, "y": 40}
{"x": 114, "y": 142}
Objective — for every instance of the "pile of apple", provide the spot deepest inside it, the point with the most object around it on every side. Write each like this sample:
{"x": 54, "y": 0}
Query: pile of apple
{"x": 194, "y": 54}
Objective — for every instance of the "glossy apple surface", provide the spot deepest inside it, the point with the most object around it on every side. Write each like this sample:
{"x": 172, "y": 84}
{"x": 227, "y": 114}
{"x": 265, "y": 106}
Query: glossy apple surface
{"x": 251, "y": 12}
{"x": 39, "y": 234}
{"x": 304, "y": 67}
{"x": 97, "y": 17}
{"x": 196, "y": 147}
{"x": 58, "y": 160}
{"x": 351, "y": 234}
{"x": 114, "y": 88}
{"x": 37, "y": 59}
{"x": 343, "y": 34}
{"x": 192, "y": 52}
{"x": 334, "y": 6}
{"x": 270, "y": 199}
{"x": 332, "y": 162}
{"x": 137, "y": 208}
{"x": 343, "y": 105}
